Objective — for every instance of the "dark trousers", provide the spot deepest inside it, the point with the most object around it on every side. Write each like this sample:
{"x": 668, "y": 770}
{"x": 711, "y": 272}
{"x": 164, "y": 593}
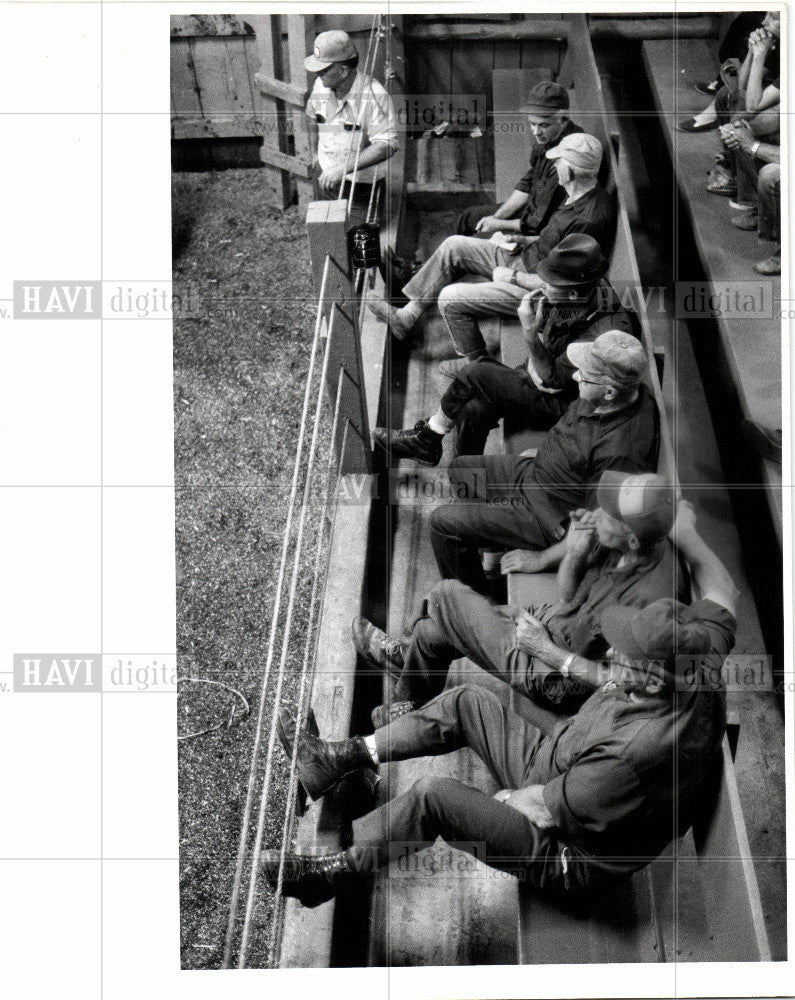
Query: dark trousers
{"x": 770, "y": 202}
{"x": 486, "y": 391}
{"x": 496, "y": 833}
{"x": 455, "y": 621}
{"x": 470, "y": 217}
{"x": 500, "y": 515}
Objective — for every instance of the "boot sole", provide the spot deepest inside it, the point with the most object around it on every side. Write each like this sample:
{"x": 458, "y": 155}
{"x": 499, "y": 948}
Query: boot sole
{"x": 308, "y": 898}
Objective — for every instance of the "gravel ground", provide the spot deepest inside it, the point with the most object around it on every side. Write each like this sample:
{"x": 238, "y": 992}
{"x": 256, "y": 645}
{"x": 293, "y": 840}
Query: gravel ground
{"x": 241, "y": 356}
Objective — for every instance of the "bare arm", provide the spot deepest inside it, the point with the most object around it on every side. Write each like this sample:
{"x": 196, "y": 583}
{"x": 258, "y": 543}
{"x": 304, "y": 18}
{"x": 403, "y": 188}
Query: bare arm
{"x": 712, "y": 579}
{"x": 534, "y": 639}
{"x": 512, "y": 204}
{"x": 521, "y": 561}
{"x": 759, "y": 43}
{"x": 579, "y": 543}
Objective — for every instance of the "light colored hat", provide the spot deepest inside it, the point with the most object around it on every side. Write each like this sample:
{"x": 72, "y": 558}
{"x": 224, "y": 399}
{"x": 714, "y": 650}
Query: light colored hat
{"x": 578, "y": 150}
{"x": 616, "y": 356}
{"x": 330, "y": 47}
{"x": 644, "y": 501}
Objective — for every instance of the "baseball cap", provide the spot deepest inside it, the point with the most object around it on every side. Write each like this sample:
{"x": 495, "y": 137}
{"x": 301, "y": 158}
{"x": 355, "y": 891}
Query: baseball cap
{"x": 576, "y": 260}
{"x": 545, "y": 98}
{"x": 666, "y": 631}
{"x": 578, "y": 150}
{"x": 330, "y": 47}
{"x": 645, "y": 502}
{"x": 616, "y": 356}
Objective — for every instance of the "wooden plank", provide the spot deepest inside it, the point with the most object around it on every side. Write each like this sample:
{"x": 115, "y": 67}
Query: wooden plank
{"x": 308, "y": 933}
{"x": 286, "y": 92}
{"x": 300, "y": 42}
{"x": 274, "y": 140}
{"x": 184, "y": 90}
{"x": 432, "y": 919}
{"x": 231, "y": 127}
{"x": 327, "y": 229}
{"x": 203, "y": 25}
{"x": 512, "y": 142}
{"x": 636, "y": 28}
{"x": 289, "y": 163}
{"x": 749, "y": 348}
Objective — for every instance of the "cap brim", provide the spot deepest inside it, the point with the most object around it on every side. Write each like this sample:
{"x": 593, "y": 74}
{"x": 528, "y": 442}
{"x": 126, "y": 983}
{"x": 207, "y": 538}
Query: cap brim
{"x": 607, "y": 492}
{"x": 579, "y": 354}
{"x": 315, "y": 65}
{"x": 554, "y": 154}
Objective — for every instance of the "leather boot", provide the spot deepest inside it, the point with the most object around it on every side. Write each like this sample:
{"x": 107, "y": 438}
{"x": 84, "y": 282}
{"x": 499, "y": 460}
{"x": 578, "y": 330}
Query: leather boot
{"x": 320, "y": 764}
{"x": 310, "y": 878}
{"x": 420, "y": 443}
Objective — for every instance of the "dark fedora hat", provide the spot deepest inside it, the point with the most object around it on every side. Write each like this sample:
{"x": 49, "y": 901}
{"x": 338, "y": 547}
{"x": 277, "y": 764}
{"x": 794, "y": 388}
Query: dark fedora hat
{"x": 576, "y": 260}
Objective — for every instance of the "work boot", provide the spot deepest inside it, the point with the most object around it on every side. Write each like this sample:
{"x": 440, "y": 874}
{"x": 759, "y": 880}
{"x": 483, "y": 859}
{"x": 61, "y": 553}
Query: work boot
{"x": 420, "y": 443}
{"x": 320, "y": 764}
{"x": 311, "y": 878}
{"x": 377, "y": 647}
{"x": 387, "y": 313}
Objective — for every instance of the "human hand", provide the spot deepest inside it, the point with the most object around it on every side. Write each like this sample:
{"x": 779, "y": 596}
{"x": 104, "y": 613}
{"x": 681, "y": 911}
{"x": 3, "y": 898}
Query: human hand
{"x": 530, "y": 802}
{"x": 759, "y": 43}
{"x": 581, "y": 535}
{"x": 489, "y": 224}
{"x": 531, "y": 635}
{"x": 329, "y": 179}
{"x": 532, "y": 310}
{"x": 521, "y": 561}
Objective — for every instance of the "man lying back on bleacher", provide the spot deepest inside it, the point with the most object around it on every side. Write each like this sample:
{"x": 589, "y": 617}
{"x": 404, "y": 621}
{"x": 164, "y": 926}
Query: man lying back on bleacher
{"x": 510, "y": 266}
{"x": 593, "y": 801}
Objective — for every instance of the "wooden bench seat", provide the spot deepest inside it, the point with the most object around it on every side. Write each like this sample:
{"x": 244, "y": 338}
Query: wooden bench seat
{"x": 748, "y": 353}
{"x": 698, "y": 901}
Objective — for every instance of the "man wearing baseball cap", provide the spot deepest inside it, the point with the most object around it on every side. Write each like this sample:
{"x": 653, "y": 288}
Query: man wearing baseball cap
{"x": 619, "y": 553}
{"x": 354, "y": 116}
{"x": 537, "y": 194}
{"x": 511, "y": 264}
{"x": 575, "y": 303}
{"x": 596, "y": 799}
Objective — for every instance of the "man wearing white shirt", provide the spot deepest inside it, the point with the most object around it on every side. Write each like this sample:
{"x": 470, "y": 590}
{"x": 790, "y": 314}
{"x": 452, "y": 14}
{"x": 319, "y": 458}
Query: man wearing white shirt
{"x": 357, "y": 130}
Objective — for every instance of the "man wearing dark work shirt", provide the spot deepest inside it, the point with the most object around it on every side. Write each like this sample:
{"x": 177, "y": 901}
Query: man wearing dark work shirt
{"x": 618, "y": 554}
{"x": 537, "y": 194}
{"x": 509, "y": 260}
{"x": 520, "y": 502}
{"x": 595, "y": 800}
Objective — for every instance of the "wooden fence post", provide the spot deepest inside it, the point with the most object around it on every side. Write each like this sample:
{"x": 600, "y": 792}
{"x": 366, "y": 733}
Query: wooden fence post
{"x": 267, "y": 28}
{"x": 300, "y": 42}
{"x": 327, "y": 228}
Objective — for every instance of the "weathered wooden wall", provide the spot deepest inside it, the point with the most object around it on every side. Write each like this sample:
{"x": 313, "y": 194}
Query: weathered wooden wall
{"x": 455, "y": 67}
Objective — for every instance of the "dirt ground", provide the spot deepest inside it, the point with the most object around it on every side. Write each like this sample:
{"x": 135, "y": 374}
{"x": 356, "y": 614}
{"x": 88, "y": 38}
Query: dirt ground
{"x": 241, "y": 355}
